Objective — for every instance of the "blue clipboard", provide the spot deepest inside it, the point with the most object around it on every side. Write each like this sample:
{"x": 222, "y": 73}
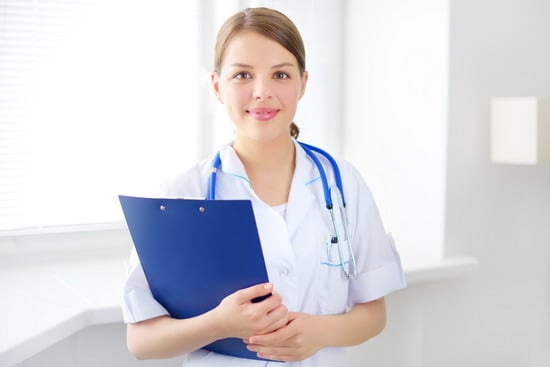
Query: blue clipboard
{"x": 194, "y": 253}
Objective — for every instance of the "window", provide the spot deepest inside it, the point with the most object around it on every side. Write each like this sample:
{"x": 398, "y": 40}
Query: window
{"x": 97, "y": 98}
{"x": 396, "y": 114}
{"x": 102, "y": 97}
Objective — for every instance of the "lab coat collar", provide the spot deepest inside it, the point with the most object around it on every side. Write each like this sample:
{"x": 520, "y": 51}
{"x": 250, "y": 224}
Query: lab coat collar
{"x": 232, "y": 167}
{"x": 301, "y": 196}
{"x": 304, "y": 179}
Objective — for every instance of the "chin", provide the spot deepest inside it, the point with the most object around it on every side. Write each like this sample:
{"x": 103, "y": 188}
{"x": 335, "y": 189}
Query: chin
{"x": 265, "y": 137}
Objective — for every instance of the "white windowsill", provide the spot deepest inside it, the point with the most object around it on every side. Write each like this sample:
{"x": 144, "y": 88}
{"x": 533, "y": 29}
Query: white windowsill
{"x": 41, "y": 304}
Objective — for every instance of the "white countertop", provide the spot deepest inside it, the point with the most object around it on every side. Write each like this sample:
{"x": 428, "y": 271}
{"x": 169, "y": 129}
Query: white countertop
{"x": 41, "y": 305}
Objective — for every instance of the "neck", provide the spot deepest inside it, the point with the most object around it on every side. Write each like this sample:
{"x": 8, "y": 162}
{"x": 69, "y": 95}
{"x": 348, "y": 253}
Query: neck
{"x": 269, "y": 166}
{"x": 265, "y": 155}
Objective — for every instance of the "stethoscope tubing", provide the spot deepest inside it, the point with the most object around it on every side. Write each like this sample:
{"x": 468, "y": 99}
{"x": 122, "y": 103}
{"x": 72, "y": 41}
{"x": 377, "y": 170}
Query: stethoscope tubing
{"x": 310, "y": 151}
{"x": 216, "y": 162}
{"x": 337, "y": 176}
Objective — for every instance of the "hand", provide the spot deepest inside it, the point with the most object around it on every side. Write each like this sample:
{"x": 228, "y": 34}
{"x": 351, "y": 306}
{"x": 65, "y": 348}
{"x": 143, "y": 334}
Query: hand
{"x": 239, "y": 317}
{"x": 298, "y": 340}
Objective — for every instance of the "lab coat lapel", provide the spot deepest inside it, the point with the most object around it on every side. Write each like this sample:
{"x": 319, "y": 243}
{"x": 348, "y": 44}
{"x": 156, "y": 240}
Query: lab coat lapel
{"x": 235, "y": 183}
{"x": 305, "y": 182}
{"x": 272, "y": 229}
{"x": 301, "y": 197}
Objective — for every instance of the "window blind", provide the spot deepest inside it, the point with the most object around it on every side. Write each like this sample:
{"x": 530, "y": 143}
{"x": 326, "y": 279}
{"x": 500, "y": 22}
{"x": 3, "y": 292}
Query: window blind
{"x": 97, "y": 98}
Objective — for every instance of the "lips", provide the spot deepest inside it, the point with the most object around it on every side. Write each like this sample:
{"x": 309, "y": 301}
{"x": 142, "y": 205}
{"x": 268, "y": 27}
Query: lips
{"x": 262, "y": 114}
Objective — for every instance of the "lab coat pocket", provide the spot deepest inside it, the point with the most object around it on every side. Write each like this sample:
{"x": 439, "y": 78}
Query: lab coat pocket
{"x": 333, "y": 285}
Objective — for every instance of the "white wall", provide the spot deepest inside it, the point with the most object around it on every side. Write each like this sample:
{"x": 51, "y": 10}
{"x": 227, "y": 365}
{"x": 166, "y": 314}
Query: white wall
{"x": 102, "y": 345}
{"x": 499, "y": 213}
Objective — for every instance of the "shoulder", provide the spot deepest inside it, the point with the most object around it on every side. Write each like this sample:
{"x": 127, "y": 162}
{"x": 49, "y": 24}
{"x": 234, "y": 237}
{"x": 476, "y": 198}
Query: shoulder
{"x": 349, "y": 173}
{"x": 189, "y": 183}
{"x": 353, "y": 182}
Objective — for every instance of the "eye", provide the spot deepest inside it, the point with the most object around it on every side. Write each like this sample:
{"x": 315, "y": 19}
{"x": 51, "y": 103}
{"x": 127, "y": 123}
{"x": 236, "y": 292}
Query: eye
{"x": 280, "y": 75}
{"x": 243, "y": 75}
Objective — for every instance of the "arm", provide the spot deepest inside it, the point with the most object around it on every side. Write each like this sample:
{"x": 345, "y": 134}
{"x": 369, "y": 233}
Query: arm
{"x": 305, "y": 334}
{"x": 236, "y": 316}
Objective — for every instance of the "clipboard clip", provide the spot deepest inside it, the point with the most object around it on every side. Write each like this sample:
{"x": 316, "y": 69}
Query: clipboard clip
{"x": 163, "y": 208}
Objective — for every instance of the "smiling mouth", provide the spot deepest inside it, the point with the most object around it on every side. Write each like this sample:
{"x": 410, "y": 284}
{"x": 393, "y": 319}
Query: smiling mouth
{"x": 263, "y": 114}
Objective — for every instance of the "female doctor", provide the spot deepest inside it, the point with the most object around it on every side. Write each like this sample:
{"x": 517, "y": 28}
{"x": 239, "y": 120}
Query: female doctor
{"x": 325, "y": 296}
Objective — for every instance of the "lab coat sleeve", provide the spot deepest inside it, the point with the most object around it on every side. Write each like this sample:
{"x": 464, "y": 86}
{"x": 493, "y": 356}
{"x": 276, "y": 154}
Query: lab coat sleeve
{"x": 189, "y": 184}
{"x": 379, "y": 270}
{"x": 138, "y": 303}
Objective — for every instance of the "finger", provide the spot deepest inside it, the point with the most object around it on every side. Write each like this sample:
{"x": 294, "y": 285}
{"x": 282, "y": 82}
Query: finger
{"x": 275, "y": 338}
{"x": 274, "y": 320}
{"x": 278, "y": 312}
{"x": 273, "y": 353}
{"x": 255, "y": 291}
{"x": 269, "y": 304}
{"x": 272, "y": 301}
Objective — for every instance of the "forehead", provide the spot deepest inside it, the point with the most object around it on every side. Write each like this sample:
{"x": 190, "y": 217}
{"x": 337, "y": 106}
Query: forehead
{"x": 251, "y": 48}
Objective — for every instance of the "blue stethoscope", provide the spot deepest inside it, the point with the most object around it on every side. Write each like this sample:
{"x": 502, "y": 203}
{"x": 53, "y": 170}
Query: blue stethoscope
{"x": 332, "y": 194}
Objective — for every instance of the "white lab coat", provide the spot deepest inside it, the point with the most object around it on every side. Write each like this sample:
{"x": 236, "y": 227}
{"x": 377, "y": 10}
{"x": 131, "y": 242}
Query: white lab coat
{"x": 294, "y": 250}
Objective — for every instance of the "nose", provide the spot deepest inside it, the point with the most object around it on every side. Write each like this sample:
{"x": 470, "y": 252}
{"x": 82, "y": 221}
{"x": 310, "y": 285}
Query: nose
{"x": 262, "y": 89}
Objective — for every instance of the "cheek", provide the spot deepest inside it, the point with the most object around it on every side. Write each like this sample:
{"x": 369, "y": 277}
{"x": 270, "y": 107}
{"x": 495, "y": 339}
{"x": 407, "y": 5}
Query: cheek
{"x": 234, "y": 96}
{"x": 290, "y": 97}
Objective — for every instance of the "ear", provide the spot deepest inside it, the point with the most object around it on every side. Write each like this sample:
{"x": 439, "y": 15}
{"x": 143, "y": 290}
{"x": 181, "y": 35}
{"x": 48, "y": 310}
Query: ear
{"x": 305, "y": 76}
{"x": 215, "y": 79}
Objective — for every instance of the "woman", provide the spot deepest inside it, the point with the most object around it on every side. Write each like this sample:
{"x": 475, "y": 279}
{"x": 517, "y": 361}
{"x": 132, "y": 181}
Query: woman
{"x": 314, "y": 311}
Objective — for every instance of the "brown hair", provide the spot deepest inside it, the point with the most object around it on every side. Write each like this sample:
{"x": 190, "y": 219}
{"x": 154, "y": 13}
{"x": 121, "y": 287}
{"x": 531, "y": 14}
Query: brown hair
{"x": 269, "y": 23}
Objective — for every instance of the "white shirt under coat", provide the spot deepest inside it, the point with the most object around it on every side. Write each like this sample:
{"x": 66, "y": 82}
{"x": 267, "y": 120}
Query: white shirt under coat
{"x": 294, "y": 249}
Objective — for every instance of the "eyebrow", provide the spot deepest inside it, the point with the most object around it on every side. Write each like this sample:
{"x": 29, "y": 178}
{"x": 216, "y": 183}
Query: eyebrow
{"x": 281, "y": 65}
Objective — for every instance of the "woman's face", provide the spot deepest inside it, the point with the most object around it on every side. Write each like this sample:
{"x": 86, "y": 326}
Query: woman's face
{"x": 260, "y": 84}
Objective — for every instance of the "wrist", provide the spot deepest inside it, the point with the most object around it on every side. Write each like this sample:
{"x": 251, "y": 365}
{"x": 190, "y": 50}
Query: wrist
{"x": 216, "y": 324}
{"x": 321, "y": 324}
